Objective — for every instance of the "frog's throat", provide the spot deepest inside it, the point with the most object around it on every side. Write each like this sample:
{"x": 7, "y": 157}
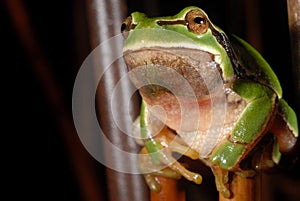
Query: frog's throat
{"x": 188, "y": 72}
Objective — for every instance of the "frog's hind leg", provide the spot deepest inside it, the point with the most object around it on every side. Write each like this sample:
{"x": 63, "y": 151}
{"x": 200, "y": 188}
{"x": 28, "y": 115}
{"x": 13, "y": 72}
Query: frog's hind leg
{"x": 285, "y": 127}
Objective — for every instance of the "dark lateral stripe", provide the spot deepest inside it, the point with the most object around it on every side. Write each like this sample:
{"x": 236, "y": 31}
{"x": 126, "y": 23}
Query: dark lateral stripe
{"x": 166, "y": 22}
{"x": 223, "y": 40}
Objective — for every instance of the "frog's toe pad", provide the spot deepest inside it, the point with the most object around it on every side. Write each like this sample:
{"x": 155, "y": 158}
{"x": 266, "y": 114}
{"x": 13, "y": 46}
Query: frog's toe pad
{"x": 225, "y": 193}
{"x": 152, "y": 182}
{"x": 197, "y": 178}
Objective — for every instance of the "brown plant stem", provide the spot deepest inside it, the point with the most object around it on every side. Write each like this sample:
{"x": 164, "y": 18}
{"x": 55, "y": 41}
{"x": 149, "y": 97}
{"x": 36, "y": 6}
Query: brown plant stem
{"x": 169, "y": 191}
{"x": 242, "y": 189}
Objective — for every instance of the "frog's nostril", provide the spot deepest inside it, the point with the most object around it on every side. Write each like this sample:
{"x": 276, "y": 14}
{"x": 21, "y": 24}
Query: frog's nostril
{"x": 126, "y": 26}
{"x": 123, "y": 27}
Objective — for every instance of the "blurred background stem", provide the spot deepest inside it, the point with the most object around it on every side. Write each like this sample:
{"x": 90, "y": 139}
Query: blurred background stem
{"x": 294, "y": 28}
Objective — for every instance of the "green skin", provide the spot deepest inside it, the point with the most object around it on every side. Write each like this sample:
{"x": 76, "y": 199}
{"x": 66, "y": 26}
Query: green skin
{"x": 243, "y": 70}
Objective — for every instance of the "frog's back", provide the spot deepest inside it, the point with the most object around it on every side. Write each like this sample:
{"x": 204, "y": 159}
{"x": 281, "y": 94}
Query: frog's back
{"x": 254, "y": 65}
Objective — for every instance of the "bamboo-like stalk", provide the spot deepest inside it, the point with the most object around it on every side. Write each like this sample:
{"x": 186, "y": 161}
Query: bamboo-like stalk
{"x": 293, "y": 7}
{"x": 121, "y": 186}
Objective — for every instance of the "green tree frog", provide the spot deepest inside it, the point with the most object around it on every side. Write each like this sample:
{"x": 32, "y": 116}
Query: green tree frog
{"x": 181, "y": 64}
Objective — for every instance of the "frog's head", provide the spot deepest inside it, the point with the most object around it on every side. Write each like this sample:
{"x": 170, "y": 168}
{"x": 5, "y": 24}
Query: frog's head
{"x": 187, "y": 42}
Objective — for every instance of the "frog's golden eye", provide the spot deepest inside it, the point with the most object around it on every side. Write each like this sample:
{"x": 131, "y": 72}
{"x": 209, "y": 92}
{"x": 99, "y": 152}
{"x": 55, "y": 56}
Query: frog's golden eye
{"x": 127, "y": 26}
{"x": 196, "y": 21}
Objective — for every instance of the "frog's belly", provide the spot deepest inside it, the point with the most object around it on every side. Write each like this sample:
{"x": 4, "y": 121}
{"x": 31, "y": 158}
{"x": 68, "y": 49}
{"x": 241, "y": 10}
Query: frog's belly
{"x": 204, "y": 141}
{"x": 202, "y": 124}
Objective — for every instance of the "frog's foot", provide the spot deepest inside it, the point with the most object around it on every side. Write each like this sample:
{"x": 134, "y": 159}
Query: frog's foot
{"x": 177, "y": 167}
{"x": 151, "y": 179}
{"x": 151, "y": 170}
{"x": 168, "y": 165}
{"x": 222, "y": 181}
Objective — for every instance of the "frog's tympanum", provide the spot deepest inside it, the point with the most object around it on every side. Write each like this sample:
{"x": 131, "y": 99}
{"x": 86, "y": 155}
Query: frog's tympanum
{"x": 205, "y": 95}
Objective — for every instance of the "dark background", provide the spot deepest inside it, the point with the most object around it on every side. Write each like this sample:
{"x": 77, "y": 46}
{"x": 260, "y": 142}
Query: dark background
{"x": 37, "y": 101}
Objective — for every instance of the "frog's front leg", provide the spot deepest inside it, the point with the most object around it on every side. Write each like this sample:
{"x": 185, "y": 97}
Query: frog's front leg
{"x": 162, "y": 163}
{"x": 221, "y": 180}
{"x": 251, "y": 125}
{"x": 156, "y": 158}
{"x": 248, "y": 130}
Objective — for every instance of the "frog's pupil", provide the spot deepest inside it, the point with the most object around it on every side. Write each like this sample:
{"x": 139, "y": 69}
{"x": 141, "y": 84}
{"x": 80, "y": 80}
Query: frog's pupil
{"x": 199, "y": 20}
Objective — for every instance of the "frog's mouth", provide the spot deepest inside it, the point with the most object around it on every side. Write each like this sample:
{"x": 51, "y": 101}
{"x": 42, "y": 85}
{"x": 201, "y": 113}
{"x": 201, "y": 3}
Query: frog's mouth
{"x": 185, "y": 72}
